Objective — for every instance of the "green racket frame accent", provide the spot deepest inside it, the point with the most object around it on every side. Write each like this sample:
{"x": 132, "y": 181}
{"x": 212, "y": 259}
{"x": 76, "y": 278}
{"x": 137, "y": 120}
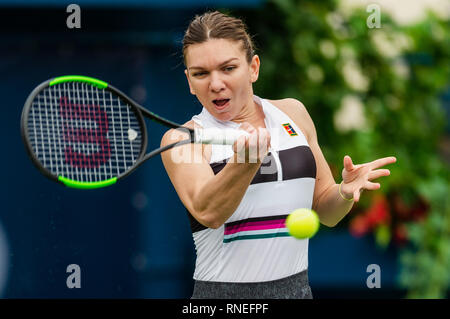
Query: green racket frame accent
{"x": 79, "y": 78}
{"x": 86, "y": 185}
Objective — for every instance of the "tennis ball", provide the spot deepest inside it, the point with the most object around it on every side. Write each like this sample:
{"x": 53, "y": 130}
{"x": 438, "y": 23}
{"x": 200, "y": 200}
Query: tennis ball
{"x": 302, "y": 223}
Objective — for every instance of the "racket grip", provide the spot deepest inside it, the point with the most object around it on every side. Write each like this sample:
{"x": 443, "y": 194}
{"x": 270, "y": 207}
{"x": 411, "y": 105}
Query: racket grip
{"x": 217, "y": 136}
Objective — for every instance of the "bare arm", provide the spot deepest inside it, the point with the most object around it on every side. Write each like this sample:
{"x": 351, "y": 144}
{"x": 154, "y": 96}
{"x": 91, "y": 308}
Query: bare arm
{"x": 211, "y": 199}
{"x": 327, "y": 202}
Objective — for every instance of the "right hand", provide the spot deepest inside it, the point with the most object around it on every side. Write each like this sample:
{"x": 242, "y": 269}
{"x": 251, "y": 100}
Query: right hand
{"x": 252, "y": 148}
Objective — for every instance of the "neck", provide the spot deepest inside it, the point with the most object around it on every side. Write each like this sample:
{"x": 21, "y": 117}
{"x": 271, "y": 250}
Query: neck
{"x": 251, "y": 113}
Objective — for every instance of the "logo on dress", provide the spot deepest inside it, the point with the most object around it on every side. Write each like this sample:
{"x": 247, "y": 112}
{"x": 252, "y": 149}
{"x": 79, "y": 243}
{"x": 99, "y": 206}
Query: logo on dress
{"x": 288, "y": 127}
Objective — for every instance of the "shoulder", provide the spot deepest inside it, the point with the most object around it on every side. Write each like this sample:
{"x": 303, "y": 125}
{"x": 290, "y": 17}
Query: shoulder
{"x": 297, "y": 111}
{"x": 290, "y": 105}
{"x": 289, "y": 102}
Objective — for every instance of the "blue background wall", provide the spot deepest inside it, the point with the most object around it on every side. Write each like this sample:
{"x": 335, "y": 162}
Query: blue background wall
{"x": 131, "y": 240}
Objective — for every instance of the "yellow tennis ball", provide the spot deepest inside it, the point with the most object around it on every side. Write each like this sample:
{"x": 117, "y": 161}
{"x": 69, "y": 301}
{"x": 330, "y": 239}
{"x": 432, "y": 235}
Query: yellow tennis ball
{"x": 302, "y": 223}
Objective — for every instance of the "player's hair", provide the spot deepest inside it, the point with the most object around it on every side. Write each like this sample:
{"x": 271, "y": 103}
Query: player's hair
{"x": 216, "y": 25}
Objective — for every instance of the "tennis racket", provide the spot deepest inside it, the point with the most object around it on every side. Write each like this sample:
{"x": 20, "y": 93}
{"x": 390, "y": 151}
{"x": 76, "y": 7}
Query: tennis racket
{"x": 84, "y": 133}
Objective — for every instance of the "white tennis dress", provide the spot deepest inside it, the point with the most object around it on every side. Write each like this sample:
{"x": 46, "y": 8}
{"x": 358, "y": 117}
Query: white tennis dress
{"x": 254, "y": 245}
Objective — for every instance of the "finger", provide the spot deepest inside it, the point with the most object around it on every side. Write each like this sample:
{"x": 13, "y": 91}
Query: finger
{"x": 348, "y": 163}
{"x": 263, "y": 143}
{"x": 372, "y": 186}
{"x": 379, "y": 173}
{"x": 253, "y": 147}
{"x": 239, "y": 144}
{"x": 356, "y": 195}
{"x": 382, "y": 161}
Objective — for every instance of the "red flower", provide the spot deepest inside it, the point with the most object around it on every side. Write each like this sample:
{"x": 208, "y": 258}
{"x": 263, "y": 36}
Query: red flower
{"x": 359, "y": 226}
{"x": 379, "y": 212}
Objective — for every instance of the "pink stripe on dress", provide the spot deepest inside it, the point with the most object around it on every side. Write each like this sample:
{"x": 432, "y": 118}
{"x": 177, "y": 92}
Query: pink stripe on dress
{"x": 272, "y": 224}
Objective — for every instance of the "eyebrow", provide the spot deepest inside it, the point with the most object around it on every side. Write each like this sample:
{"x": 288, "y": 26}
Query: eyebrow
{"x": 223, "y": 63}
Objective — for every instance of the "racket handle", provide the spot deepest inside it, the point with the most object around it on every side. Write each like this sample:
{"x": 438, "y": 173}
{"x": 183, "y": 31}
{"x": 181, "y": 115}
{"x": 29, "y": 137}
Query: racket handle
{"x": 217, "y": 136}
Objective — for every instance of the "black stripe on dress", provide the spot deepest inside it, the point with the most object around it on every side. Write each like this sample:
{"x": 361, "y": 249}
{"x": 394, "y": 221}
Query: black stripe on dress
{"x": 255, "y": 219}
{"x": 266, "y": 173}
{"x": 296, "y": 162}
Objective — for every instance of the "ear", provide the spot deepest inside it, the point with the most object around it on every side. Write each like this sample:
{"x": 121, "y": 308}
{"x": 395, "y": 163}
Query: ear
{"x": 189, "y": 82}
{"x": 254, "y": 68}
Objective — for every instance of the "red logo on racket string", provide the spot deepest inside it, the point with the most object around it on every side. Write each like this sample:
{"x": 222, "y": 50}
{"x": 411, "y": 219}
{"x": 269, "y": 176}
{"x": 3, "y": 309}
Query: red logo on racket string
{"x": 71, "y": 111}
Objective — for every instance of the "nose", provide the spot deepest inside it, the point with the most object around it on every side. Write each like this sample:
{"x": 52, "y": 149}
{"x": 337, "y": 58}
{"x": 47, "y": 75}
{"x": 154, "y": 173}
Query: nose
{"x": 216, "y": 84}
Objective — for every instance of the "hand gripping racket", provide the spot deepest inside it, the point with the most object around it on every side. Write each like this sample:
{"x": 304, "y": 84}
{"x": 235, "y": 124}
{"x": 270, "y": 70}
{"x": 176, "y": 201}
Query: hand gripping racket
{"x": 84, "y": 133}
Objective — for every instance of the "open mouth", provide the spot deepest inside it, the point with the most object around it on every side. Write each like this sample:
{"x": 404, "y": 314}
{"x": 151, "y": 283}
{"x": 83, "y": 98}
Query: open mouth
{"x": 221, "y": 103}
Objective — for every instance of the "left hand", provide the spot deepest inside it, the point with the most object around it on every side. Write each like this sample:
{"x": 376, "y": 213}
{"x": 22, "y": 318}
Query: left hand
{"x": 356, "y": 178}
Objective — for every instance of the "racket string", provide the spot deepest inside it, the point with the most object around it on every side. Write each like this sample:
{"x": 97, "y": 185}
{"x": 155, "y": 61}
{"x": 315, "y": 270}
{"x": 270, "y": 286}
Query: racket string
{"x": 81, "y": 132}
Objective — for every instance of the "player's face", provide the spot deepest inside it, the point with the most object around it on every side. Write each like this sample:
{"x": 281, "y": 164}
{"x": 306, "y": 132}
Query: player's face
{"x": 220, "y": 76}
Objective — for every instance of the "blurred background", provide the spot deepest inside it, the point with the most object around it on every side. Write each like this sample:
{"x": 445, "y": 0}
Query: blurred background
{"x": 374, "y": 76}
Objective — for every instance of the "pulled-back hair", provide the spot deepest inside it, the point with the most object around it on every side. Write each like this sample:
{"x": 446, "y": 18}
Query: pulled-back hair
{"x": 216, "y": 25}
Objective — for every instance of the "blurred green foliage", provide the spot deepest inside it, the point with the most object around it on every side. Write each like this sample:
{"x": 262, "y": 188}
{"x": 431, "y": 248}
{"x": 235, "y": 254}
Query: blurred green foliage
{"x": 372, "y": 93}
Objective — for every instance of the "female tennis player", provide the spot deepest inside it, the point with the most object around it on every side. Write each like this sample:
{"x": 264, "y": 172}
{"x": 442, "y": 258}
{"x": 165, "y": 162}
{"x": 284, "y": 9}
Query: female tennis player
{"x": 238, "y": 196}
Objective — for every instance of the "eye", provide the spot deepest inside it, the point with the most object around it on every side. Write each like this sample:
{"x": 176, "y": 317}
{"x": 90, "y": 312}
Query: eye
{"x": 229, "y": 68}
{"x": 200, "y": 73}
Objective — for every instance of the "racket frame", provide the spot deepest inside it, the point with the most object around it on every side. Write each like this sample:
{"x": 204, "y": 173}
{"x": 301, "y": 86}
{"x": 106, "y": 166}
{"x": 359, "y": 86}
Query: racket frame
{"x": 138, "y": 110}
